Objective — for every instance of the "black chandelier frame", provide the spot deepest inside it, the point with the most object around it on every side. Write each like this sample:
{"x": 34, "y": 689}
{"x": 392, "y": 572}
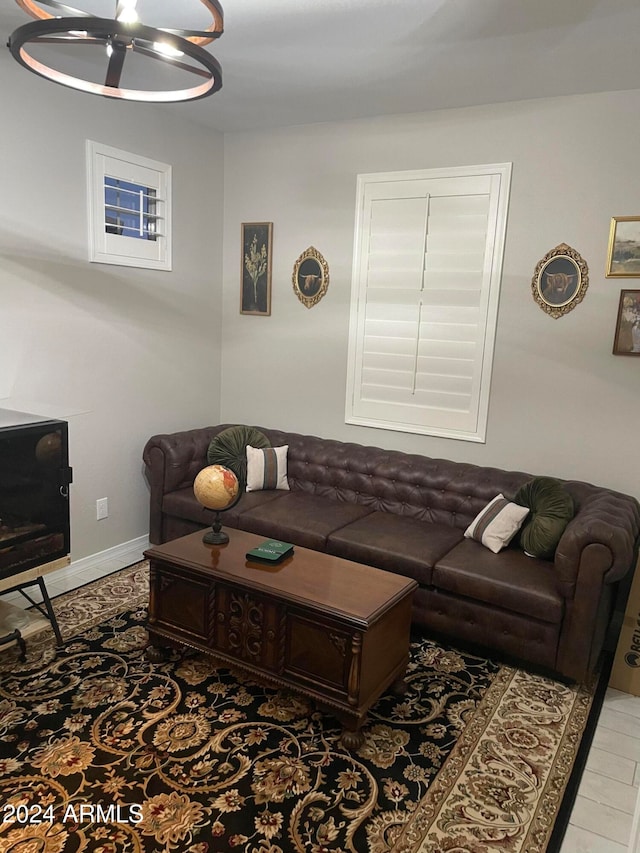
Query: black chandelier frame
{"x": 196, "y": 36}
{"x": 121, "y": 39}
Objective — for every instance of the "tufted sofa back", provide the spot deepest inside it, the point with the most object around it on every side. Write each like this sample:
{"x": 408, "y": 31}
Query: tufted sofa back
{"x": 433, "y": 490}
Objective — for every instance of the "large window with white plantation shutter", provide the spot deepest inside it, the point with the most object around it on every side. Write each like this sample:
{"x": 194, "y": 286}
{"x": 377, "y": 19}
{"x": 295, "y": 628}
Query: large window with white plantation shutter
{"x": 424, "y": 299}
{"x": 129, "y": 200}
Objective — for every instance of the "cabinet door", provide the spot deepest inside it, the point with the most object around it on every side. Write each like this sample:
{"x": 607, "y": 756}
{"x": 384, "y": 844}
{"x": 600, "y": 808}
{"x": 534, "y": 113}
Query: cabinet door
{"x": 180, "y": 604}
{"x": 318, "y": 652}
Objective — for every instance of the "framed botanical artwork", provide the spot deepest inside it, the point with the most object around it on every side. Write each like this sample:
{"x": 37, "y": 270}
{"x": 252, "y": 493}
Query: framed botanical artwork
{"x": 255, "y": 293}
{"x": 310, "y": 277}
{"x": 624, "y": 247}
{"x": 627, "y": 337}
{"x": 560, "y": 281}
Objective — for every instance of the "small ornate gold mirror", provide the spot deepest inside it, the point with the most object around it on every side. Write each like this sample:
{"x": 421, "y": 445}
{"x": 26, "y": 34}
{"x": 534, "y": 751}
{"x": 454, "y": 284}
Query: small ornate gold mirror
{"x": 310, "y": 277}
{"x": 560, "y": 281}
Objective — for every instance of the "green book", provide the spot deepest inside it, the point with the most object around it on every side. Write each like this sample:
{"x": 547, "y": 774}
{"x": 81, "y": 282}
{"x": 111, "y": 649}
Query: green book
{"x": 271, "y": 550}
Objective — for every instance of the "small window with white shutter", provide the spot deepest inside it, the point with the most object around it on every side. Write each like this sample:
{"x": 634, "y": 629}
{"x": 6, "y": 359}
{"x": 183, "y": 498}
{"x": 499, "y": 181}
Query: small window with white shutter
{"x": 424, "y": 299}
{"x": 129, "y": 208}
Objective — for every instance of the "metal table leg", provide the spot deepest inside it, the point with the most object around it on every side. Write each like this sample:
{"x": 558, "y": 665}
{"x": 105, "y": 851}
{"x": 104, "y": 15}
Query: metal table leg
{"x": 50, "y": 611}
{"x": 18, "y": 638}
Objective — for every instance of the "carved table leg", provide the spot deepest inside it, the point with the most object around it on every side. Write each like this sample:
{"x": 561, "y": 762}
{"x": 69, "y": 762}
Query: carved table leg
{"x": 352, "y": 739}
{"x": 400, "y": 687}
{"x": 155, "y": 654}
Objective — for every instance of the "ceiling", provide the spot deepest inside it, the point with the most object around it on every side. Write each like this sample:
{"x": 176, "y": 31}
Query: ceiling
{"x": 290, "y": 62}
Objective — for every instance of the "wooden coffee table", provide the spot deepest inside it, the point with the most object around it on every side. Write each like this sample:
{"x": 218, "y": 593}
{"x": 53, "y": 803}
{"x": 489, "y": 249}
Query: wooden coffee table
{"x": 334, "y": 630}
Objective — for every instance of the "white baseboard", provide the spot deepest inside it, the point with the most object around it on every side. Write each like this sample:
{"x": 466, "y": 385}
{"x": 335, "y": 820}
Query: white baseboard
{"x": 127, "y": 551}
{"x": 79, "y": 572}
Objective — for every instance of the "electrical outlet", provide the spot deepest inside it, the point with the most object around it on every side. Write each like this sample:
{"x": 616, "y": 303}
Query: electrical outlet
{"x": 102, "y": 508}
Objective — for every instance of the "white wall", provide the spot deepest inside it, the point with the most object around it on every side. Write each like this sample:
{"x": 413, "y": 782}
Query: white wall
{"x": 126, "y": 353}
{"x": 122, "y": 353}
{"x": 561, "y": 403}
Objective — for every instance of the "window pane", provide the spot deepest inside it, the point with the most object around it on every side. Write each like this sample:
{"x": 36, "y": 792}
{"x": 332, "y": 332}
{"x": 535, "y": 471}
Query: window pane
{"x": 129, "y": 209}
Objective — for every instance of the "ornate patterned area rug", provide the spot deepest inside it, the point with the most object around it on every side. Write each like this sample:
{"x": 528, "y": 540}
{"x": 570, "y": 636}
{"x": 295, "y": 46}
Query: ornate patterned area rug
{"x": 102, "y": 751}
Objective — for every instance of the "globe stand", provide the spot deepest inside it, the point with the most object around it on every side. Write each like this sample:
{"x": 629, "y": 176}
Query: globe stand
{"x": 216, "y": 536}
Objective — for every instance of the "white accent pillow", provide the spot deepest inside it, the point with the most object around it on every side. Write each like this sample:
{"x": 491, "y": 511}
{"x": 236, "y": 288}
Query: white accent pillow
{"x": 497, "y": 524}
{"x": 267, "y": 468}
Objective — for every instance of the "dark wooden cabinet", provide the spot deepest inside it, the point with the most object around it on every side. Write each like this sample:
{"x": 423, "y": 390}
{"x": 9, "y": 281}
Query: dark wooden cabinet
{"x": 34, "y": 508}
{"x": 34, "y": 491}
{"x": 334, "y": 630}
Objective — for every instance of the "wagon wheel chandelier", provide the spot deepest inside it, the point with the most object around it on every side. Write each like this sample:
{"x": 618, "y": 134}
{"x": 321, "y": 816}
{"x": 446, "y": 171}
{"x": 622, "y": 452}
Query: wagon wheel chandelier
{"x": 118, "y": 43}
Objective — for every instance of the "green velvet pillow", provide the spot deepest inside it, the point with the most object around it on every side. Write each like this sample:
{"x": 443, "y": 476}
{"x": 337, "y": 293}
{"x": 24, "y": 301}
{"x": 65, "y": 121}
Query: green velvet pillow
{"x": 551, "y": 509}
{"x": 229, "y": 448}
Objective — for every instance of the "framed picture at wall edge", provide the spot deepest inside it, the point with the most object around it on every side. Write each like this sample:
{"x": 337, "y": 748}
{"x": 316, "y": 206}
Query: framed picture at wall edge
{"x": 310, "y": 277}
{"x": 627, "y": 336}
{"x": 623, "y": 259}
{"x": 255, "y": 279}
{"x": 560, "y": 280}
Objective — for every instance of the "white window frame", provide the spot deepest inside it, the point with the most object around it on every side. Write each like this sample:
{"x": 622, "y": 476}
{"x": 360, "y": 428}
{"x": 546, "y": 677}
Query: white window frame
{"x": 362, "y": 407}
{"x": 106, "y": 248}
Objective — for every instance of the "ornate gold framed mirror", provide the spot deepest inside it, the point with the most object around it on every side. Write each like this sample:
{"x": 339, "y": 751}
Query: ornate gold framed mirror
{"x": 310, "y": 277}
{"x": 560, "y": 281}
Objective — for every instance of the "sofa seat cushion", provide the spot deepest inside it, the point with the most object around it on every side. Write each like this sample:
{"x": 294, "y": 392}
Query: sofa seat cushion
{"x": 183, "y": 504}
{"x": 510, "y": 580}
{"x": 301, "y": 518}
{"x": 396, "y": 543}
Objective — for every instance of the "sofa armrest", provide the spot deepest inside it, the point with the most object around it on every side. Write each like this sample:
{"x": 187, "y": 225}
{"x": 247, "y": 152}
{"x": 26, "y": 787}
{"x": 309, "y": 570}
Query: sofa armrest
{"x": 604, "y": 518}
{"x": 598, "y": 548}
{"x": 172, "y": 462}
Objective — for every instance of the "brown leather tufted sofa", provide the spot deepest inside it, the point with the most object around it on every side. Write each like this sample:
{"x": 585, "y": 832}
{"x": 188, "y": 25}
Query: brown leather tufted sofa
{"x": 407, "y": 514}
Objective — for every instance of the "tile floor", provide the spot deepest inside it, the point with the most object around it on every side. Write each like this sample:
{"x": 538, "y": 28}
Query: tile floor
{"x": 603, "y": 815}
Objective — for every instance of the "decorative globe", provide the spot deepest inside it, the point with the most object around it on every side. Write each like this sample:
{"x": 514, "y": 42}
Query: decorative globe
{"x": 49, "y": 449}
{"x": 216, "y": 487}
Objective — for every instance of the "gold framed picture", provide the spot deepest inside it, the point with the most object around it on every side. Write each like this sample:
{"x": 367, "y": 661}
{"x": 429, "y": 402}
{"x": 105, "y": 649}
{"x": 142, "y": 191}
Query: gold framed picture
{"x": 310, "y": 277}
{"x": 627, "y": 337}
{"x": 560, "y": 281}
{"x": 623, "y": 259}
{"x": 255, "y": 280}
